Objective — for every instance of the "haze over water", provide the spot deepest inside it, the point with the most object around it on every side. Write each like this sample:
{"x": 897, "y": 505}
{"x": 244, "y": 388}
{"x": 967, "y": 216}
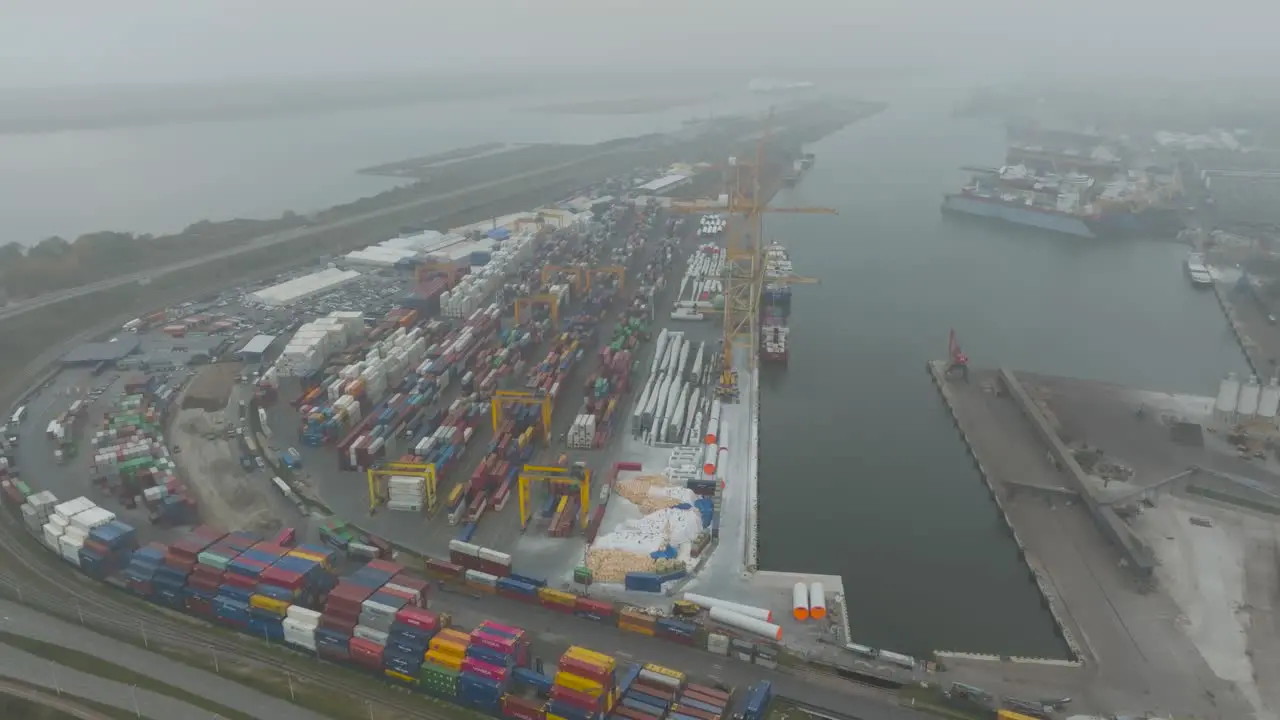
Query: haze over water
{"x": 862, "y": 473}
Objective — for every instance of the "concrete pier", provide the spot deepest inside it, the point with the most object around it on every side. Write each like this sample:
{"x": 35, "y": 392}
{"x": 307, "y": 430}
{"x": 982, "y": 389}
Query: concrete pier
{"x": 1132, "y": 650}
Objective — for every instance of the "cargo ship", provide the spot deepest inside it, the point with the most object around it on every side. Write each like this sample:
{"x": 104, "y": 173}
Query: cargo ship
{"x": 775, "y": 305}
{"x": 1130, "y": 203}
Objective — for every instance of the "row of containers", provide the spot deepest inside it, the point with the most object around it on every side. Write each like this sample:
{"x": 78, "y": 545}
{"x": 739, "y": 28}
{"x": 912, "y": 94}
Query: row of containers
{"x": 130, "y": 459}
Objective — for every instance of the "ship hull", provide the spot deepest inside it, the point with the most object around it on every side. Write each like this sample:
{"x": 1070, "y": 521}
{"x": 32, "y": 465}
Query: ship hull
{"x": 1150, "y": 223}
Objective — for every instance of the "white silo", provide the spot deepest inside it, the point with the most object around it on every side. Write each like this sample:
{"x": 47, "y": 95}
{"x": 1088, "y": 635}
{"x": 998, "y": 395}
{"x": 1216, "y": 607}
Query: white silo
{"x": 1269, "y": 405}
{"x": 1228, "y": 397}
{"x": 1250, "y": 393}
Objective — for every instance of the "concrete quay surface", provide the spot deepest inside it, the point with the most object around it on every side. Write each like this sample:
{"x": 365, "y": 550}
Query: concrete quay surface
{"x": 1135, "y": 654}
{"x": 21, "y": 620}
{"x": 54, "y": 700}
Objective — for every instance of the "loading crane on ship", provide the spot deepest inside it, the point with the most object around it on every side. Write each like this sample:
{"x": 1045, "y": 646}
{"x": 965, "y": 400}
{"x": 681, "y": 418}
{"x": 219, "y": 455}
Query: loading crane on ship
{"x": 744, "y": 256}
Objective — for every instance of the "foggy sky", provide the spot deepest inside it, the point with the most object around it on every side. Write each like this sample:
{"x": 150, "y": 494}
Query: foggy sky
{"x": 87, "y": 42}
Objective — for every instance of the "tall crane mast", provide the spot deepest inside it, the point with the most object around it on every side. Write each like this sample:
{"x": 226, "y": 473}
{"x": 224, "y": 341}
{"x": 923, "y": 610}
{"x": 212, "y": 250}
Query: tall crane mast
{"x": 744, "y": 256}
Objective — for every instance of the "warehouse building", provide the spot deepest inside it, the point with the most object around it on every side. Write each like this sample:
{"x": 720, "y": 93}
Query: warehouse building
{"x": 663, "y": 184}
{"x": 256, "y": 348}
{"x": 287, "y": 293}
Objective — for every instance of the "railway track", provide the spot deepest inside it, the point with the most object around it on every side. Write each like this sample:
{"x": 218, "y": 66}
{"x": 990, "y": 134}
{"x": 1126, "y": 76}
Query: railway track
{"x": 47, "y": 586}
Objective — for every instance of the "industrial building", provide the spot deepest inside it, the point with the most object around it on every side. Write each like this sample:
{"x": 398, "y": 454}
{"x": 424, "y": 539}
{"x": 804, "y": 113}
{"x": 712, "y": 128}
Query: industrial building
{"x": 96, "y": 352}
{"x": 663, "y": 184}
{"x": 257, "y": 346}
{"x": 287, "y": 293}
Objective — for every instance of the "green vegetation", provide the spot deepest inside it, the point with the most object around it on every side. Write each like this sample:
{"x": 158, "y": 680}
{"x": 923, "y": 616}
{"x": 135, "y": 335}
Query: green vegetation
{"x": 93, "y": 665}
{"x": 16, "y": 707}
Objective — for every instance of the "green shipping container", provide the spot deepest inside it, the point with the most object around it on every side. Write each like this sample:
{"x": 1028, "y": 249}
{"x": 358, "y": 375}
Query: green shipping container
{"x": 23, "y": 488}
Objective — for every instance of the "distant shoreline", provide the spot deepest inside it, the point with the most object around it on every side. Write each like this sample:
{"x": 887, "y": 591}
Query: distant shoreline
{"x": 616, "y": 106}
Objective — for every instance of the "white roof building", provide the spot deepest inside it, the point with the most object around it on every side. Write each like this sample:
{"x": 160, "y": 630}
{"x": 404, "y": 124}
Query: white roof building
{"x": 287, "y": 293}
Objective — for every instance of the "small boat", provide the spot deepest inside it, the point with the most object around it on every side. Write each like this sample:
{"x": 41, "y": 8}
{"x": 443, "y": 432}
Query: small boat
{"x": 1198, "y": 271}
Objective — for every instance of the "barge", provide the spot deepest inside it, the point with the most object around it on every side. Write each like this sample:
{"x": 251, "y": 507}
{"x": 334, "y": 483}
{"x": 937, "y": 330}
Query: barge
{"x": 775, "y": 305}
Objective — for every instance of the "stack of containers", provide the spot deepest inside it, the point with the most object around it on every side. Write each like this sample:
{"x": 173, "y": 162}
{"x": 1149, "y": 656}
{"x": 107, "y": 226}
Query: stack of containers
{"x": 107, "y": 549}
{"x": 651, "y": 694}
{"x": 407, "y": 641}
{"x": 698, "y": 702}
{"x": 266, "y": 611}
{"x": 231, "y": 606}
{"x": 205, "y": 581}
{"x": 585, "y": 685}
{"x": 406, "y": 493}
{"x": 443, "y": 663}
{"x": 142, "y": 569}
{"x": 299, "y": 626}
{"x": 486, "y": 670}
{"x": 343, "y": 611}
{"x": 38, "y": 508}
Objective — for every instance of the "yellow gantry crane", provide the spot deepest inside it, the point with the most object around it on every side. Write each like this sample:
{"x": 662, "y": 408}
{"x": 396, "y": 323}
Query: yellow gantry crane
{"x": 503, "y": 398}
{"x": 617, "y": 271}
{"x": 576, "y": 475}
{"x": 551, "y": 301}
{"x": 744, "y": 279}
{"x": 379, "y": 474}
{"x": 578, "y": 281}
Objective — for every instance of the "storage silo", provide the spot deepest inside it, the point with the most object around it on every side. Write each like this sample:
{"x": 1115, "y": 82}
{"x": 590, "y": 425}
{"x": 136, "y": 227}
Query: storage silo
{"x": 1269, "y": 405}
{"x": 1250, "y": 394}
{"x": 1228, "y": 397}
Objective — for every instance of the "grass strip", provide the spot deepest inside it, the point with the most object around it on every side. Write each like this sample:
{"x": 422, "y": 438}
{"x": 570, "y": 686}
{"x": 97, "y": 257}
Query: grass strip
{"x": 32, "y": 709}
{"x": 93, "y": 665}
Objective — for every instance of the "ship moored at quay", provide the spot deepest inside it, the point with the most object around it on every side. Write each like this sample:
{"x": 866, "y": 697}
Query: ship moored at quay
{"x": 1088, "y": 192}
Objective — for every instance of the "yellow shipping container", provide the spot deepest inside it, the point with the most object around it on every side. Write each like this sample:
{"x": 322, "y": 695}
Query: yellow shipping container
{"x": 660, "y": 670}
{"x": 311, "y": 556}
{"x": 481, "y": 587}
{"x": 271, "y": 605}
{"x": 605, "y": 661}
{"x": 1011, "y": 715}
{"x": 558, "y": 597}
{"x": 641, "y": 629}
{"x": 453, "y": 636}
{"x": 453, "y": 662}
{"x": 580, "y": 684}
{"x": 401, "y": 677}
{"x": 555, "y": 717}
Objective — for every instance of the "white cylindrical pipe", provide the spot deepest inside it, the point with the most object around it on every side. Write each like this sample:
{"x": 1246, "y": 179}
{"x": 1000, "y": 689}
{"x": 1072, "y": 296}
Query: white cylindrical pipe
{"x": 710, "y": 458}
{"x": 800, "y": 602}
{"x": 748, "y": 610}
{"x": 690, "y": 409}
{"x": 713, "y": 422}
{"x": 695, "y": 430}
{"x": 683, "y": 362}
{"x": 722, "y": 457}
{"x": 749, "y": 624}
{"x": 817, "y": 601}
{"x": 675, "y": 425}
{"x": 638, "y": 416}
{"x": 659, "y": 349}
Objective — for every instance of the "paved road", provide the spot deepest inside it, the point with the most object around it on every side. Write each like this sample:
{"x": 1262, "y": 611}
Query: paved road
{"x": 63, "y": 703}
{"x": 287, "y": 236}
{"x": 15, "y": 663}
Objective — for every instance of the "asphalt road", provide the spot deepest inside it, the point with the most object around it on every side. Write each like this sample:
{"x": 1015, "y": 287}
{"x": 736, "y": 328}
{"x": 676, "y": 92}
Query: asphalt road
{"x": 21, "y": 620}
{"x": 286, "y": 236}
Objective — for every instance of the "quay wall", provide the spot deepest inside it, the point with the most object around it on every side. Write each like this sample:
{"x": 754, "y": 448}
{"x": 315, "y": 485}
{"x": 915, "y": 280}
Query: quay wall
{"x": 937, "y": 372}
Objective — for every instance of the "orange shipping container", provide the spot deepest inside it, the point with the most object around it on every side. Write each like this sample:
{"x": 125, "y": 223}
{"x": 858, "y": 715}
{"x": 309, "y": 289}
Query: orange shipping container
{"x": 409, "y": 318}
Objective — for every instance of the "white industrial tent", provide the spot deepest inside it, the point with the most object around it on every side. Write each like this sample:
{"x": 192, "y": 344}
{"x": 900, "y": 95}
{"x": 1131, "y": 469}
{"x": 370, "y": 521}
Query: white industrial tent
{"x": 287, "y": 293}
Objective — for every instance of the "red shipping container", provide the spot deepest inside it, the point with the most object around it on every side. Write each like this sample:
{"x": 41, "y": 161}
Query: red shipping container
{"x": 720, "y": 695}
{"x": 587, "y": 670}
{"x": 622, "y": 711}
{"x": 338, "y": 623}
{"x": 693, "y": 712}
{"x": 504, "y": 645}
{"x": 576, "y": 699}
{"x": 599, "y": 607}
{"x": 418, "y": 618}
{"x": 514, "y": 706}
{"x": 705, "y": 699}
{"x": 282, "y": 578}
{"x": 484, "y": 669}
{"x": 240, "y": 581}
{"x": 386, "y": 566}
{"x": 407, "y": 595}
{"x": 366, "y": 653}
{"x": 665, "y": 694}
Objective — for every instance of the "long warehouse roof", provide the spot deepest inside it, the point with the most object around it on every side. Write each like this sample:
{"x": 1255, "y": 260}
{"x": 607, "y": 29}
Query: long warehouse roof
{"x": 258, "y": 344}
{"x": 663, "y": 182}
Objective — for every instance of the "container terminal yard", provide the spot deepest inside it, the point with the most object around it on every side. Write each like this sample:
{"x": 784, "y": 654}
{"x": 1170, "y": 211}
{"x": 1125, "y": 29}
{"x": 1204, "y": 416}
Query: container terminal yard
{"x": 167, "y": 446}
